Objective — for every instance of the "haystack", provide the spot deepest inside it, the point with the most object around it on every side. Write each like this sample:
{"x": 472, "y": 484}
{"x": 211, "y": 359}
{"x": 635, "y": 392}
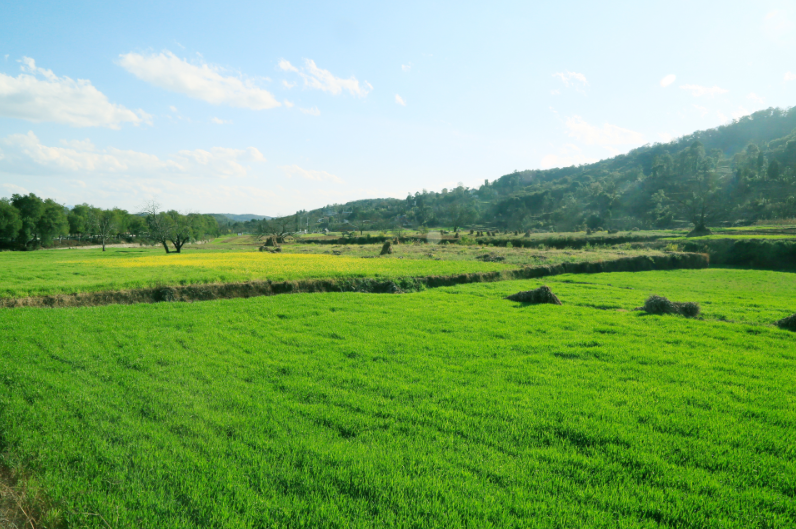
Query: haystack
{"x": 542, "y": 294}
{"x": 788, "y": 323}
{"x": 661, "y": 305}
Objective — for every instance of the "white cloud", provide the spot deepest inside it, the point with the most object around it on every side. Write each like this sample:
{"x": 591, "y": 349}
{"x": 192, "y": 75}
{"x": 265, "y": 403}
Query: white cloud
{"x": 174, "y": 109}
{"x": 400, "y": 100}
{"x": 25, "y": 154}
{"x": 219, "y": 121}
{"x": 288, "y": 104}
{"x": 15, "y": 189}
{"x": 741, "y": 112}
{"x": 286, "y": 66}
{"x": 665, "y": 137}
{"x": 555, "y": 92}
{"x": 669, "y": 79}
{"x": 311, "y": 111}
{"x": 316, "y": 176}
{"x": 790, "y": 76}
{"x": 288, "y": 84}
{"x": 205, "y": 82}
{"x": 406, "y": 67}
{"x": 567, "y": 156}
{"x": 699, "y": 91}
{"x": 722, "y": 117}
{"x": 605, "y": 136}
{"x": 39, "y": 95}
{"x": 703, "y": 111}
{"x": 756, "y": 98}
{"x": 572, "y": 79}
{"x": 324, "y": 80}
{"x": 777, "y": 24}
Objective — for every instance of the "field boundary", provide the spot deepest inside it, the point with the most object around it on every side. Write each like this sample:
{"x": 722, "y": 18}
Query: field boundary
{"x": 212, "y": 291}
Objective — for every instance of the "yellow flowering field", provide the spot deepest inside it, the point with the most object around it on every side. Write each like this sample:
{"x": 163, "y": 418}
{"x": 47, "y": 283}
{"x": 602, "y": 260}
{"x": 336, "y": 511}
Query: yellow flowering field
{"x": 63, "y": 272}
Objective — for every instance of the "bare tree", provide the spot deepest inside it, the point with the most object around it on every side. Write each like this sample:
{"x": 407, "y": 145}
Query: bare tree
{"x": 277, "y": 228}
{"x": 102, "y": 223}
{"x": 159, "y": 224}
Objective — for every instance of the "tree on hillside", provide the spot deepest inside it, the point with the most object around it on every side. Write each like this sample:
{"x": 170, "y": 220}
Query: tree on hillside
{"x": 695, "y": 191}
{"x": 10, "y": 222}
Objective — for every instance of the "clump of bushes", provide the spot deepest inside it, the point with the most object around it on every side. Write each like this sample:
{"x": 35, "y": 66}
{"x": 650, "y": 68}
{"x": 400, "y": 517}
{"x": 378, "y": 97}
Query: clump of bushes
{"x": 661, "y": 305}
{"x": 386, "y": 248}
{"x": 788, "y": 323}
{"x": 542, "y": 294}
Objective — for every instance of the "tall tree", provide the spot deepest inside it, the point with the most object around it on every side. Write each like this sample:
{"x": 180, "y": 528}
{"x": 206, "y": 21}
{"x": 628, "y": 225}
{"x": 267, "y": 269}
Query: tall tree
{"x": 30, "y": 208}
{"x": 52, "y": 223}
{"x": 10, "y": 222}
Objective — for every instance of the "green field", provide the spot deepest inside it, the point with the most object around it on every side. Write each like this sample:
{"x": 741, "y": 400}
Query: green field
{"x": 65, "y": 272}
{"x": 25, "y": 274}
{"x": 450, "y": 407}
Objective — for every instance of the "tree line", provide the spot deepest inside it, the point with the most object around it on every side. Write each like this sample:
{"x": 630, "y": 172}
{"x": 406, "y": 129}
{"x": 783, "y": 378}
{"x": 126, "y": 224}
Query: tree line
{"x": 28, "y": 222}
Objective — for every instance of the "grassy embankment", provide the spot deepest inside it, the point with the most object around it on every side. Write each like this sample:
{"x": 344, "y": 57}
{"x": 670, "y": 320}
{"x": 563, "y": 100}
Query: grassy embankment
{"x": 449, "y": 407}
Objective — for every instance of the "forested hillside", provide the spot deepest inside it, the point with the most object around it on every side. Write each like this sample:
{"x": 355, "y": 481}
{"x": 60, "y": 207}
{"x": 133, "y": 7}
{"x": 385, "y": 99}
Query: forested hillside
{"x": 732, "y": 175}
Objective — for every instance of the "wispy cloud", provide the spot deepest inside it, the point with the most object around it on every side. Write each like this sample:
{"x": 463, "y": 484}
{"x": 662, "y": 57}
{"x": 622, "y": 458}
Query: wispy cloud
{"x": 567, "y": 156}
{"x": 790, "y": 76}
{"x": 39, "y": 95}
{"x": 400, "y": 100}
{"x": 311, "y": 111}
{"x": 219, "y": 121}
{"x": 26, "y": 154}
{"x": 667, "y": 80}
{"x": 699, "y": 91}
{"x": 199, "y": 81}
{"x": 572, "y": 79}
{"x": 703, "y": 111}
{"x": 320, "y": 79}
{"x": 308, "y": 174}
{"x": 406, "y": 67}
{"x": 606, "y": 135}
{"x": 756, "y": 98}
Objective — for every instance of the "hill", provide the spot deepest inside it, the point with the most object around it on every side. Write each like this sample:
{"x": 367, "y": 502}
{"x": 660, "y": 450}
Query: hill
{"x": 735, "y": 174}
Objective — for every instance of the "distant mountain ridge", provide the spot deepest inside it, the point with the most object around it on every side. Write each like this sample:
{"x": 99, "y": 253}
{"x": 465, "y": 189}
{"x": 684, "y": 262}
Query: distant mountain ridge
{"x": 243, "y": 217}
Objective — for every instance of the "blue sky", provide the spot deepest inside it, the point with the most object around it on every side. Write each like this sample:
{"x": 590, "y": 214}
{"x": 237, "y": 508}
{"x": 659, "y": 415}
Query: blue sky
{"x": 255, "y": 107}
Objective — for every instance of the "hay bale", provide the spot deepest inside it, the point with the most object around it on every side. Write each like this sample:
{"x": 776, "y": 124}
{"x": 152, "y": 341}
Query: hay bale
{"x": 661, "y": 305}
{"x": 788, "y": 323}
{"x": 386, "y": 248}
{"x": 542, "y": 294}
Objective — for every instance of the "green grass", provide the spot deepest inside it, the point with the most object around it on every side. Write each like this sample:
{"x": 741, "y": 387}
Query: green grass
{"x": 446, "y": 408}
{"x": 70, "y": 271}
